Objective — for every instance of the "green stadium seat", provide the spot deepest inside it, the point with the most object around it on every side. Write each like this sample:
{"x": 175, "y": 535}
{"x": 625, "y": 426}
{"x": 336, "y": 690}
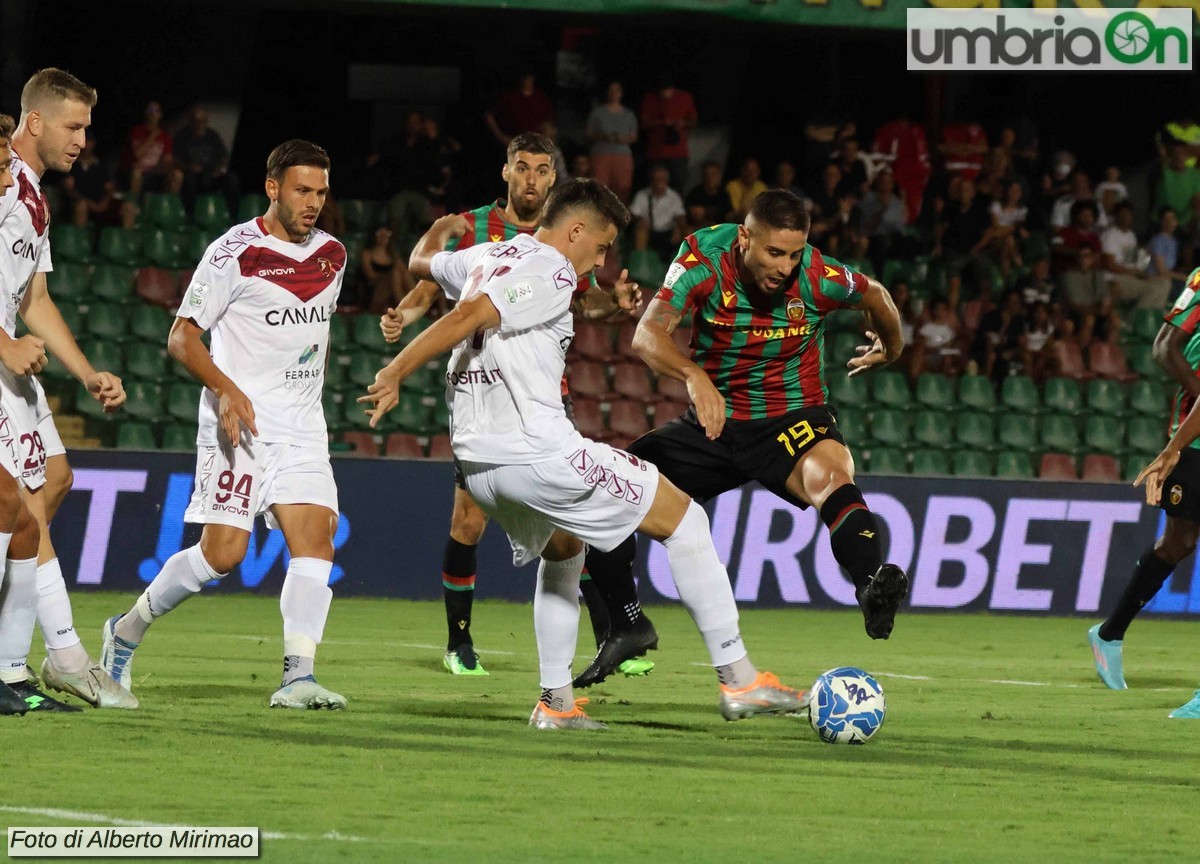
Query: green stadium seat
{"x": 1016, "y": 432}
{"x": 1134, "y": 462}
{"x": 412, "y": 415}
{"x": 1146, "y": 434}
{"x": 1019, "y": 393}
{"x": 1064, "y": 396}
{"x": 932, "y": 429}
{"x": 150, "y": 324}
{"x": 430, "y": 380}
{"x": 890, "y": 389}
{"x": 972, "y": 463}
{"x": 855, "y": 426}
{"x": 1141, "y": 360}
{"x": 363, "y": 368}
{"x": 183, "y": 401}
{"x": 69, "y": 281}
{"x": 1103, "y": 433}
{"x": 845, "y": 391}
{"x": 1145, "y": 324}
{"x": 107, "y": 321}
{"x": 165, "y": 249}
{"x": 935, "y": 391}
{"x": 896, "y": 270}
{"x": 1060, "y": 433}
{"x": 335, "y": 376}
{"x": 976, "y": 432}
{"x": 890, "y": 428}
{"x": 145, "y": 400}
{"x": 1013, "y": 465}
{"x": 441, "y": 417}
{"x": 179, "y": 436}
{"x": 1149, "y": 398}
{"x": 335, "y": 416}
{"x": 862, "y": 265}
{"x": 164, "y": 210}
{"x": 251, "y": 207}
{"x": 339, "y": 332}
{"x": 368, "y": 335}
{"x": 841, "y": 349}
{"x": 71, "y": 244}
{"x": 211, "y": 212}
{"x": 977, "y": 393}
{"x": 148, "y": 362}
{"x": 646, "y": 268}
{"x": 121, "y": 246}
{"x": 930, "y": 462}
{"x": 136, "y": 436}
{"x": 87, "y": 406}
{"x": 888, "y": 460}
{"x": 360, "y": 215}
{"x": 114, "y": 283}
{"x": 1105, "y": 396}
{"x": 193, "y": 244}
{"x": 104, "y": 355}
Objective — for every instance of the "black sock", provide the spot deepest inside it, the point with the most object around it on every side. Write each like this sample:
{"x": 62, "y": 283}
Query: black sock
{"x": 853, "y": 534}
{"x": 1148, "y": 576}
{"x": 597, "y": 611}
{"x": 612, "y": 576}
{"x": 458, "y": 590}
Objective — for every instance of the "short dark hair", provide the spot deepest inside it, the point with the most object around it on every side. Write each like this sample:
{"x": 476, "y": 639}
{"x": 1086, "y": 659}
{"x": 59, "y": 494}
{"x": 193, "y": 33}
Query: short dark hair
{"x": 1123, "y": 205}
{"x": 1083, "y": 204}
{"x": 56, "y": 83}
{"x": 780, "y": 209}
{"x": 292, "y": 153}
{"x": 530, "y": 142}
{"x": 586, "y": 193}
{"x": 7, "y": 127}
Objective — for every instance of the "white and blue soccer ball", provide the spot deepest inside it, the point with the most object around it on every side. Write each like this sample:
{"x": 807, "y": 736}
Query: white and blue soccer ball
{"x": 847, "y": 706}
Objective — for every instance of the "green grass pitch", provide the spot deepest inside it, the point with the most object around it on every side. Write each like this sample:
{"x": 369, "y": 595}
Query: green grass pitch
{"x": 1000, "y": 745}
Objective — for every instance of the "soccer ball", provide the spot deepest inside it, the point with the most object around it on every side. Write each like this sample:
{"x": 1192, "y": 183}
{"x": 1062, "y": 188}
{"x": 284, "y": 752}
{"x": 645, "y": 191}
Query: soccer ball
{"x": 847, "y": 706}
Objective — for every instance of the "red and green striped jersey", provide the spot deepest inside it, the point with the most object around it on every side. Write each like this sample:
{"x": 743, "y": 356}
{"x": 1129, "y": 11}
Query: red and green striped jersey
{"x": 1185, "y": 315}
{"x": 766, "y": 357}
{"x": 488, "y": 225}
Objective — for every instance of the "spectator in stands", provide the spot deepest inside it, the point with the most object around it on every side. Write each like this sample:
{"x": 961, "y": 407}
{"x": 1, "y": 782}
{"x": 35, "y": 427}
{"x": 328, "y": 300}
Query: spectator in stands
{"x": 995, "y": 350}
{"x": 1182, "y": 131}
{"x": 883, "y": 217}
{"x": 964, "y": 146}
{"x": 1179, "y": 183}
{"x": 745, "y": 187}
{"x": 660, "y": 215}
{"x": 612, "y": 128}
{"x": 523, "y": 108}
{"x": 1083, "y": 285}
{"x": 204, "y": 160}
{"x": 411, "y": 161}
{"x": 825, "y": 201}
{"x": 1113, "y": 183}
{"x": 845, "y": 239}
{"x": 708, "y": 203}
{"x": 937, "y": 348}
{"x": 1036, "y": 286}
{"x": 1008, "y": 214}
{"x": 900, "y": 145}
{"x": 1061, "y": 214}
{"x": 821, "y": 130}
{"x": 1037, "y": 342}
{"x": 996, "y": 174}
{"x": 668, "y": 114}
{"x": 1164, "y": 248}
{"x": 855, "y": 168}
{"x": 1080, "y": 234}
{"x": 561, "y": 173}
{"x": 785, "y": 178}
{"x": 149, "y": 160}
{"x": 384, "y": 275}
{"x": 960, "y": 234}
{"x": 581, "y": 165}
{"x": 91, "y": 191}
{"x": 1125, "y": 263}
{"x": 446, "y": 192}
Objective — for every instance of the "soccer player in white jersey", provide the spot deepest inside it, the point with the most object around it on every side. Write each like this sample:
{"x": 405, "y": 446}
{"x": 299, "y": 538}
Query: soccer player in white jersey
{"x": 266, "y": 290}
{"x": 527, "y": 466}
{"x": 56, "y": 108}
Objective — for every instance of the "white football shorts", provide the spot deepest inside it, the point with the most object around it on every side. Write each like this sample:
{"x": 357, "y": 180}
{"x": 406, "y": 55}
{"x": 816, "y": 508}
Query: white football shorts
{"x": 597, "y": 493}
{"x": 233, "y": 485}
{"x": 30, "y": 422}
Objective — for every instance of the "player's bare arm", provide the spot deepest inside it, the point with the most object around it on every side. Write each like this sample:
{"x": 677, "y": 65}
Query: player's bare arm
{"x": 1168, "y": 353}
{"x": 599, "y": 304}
{"x": 887, "y": 339}
{"x": 433, "y": 242}
{"x": 234, "y": 409}
{"x": 413, "y": 307}
{"x": 477, "y": 313}
{"x": 653, "y": 343}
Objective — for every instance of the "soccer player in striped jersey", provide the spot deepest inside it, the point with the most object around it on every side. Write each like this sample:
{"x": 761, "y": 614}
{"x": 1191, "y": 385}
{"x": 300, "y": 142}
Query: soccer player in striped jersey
{"x": 758, "y": 295}
{"x": 529, "y": 173}
{"x": 1177, "y": 470}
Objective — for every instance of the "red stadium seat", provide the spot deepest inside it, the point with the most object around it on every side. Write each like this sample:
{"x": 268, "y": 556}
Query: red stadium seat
{"x": 403, "y": 446}
{"x": 1108, "y": 361}
{"x": 588, "y": 379}
{"x": 588, "y": 419}
{"x": 1057, "y": 466}
{"x": 593, "y": 342}
{"x": 682, "y": 335}
{"x": 363, "y": 443}
{"x": 625, "y": 343}
{"x": 1101, "y": 468}
{"x": 665, "y": 412}
{"x": 633, "y": 382}
{"x": 627, "y": 420}
{"x": 673, "y": 389}
{"x": 1068, "y": 357}
{"x": 158, "y": 286}
{"x": 439, "y": 448}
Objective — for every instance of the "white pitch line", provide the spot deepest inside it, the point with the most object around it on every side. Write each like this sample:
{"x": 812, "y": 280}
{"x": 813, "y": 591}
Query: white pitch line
{"x": 371, "y": 642}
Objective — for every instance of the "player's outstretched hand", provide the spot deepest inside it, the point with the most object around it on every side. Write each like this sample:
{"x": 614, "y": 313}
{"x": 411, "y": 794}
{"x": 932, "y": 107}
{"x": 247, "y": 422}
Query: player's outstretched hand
{"x": 627, "y": 294}
{"x": 384, "y": 395}
{"x": 710, "y": 404}
{"x": 391, "y": 323}
{"x": 24, "y": 356}
{"x": 233, "y": 412}
{"x": 107, "y": 389}
{"x": 868, "y": 357}
{"x": 1155, "y": 475}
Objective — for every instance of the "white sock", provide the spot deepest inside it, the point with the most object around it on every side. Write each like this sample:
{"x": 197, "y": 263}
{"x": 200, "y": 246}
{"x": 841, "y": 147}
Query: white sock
{"x": 703, "y": 586}
{"x": 304, "y": 603}
{"x": 184, "y": 574}
{"x": 556, "y": 620}
{"x": 54, "y": 617}
{"x": 18, "y": 617}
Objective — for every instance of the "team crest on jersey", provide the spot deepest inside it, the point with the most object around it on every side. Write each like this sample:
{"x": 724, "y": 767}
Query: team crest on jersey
{"x": 1176, "y": 494}
{"x": 795, "y": 309}
{"x": 35, "y": 203}
{"x": 327, "y": 268}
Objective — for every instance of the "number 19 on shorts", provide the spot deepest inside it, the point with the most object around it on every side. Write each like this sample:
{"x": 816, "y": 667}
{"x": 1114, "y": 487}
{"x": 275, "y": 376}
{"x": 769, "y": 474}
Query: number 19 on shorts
{"x": 797, "y": 437}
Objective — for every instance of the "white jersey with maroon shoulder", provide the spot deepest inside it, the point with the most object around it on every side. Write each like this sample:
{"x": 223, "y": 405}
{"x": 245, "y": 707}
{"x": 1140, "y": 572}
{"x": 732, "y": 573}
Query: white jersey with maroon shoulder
{"x": 25, "y": 235}
{"x": 505, "y": 384}
{"x": 267, "y": 303}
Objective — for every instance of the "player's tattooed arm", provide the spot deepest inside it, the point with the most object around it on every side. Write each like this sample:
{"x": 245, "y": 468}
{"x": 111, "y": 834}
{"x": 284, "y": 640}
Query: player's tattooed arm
{"x": 1168, "y": 352}
{"x": 653, "y": 343}
{"x": 883, "y": 322}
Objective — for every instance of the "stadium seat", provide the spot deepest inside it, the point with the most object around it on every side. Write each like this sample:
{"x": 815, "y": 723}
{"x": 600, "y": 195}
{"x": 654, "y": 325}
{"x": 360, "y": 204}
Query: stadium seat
{"x": 1149, "y": 398}
{"x": 1147, "y": 434}
{"x": 361, "y": 443}
{"x": 887, "y": 460}
{"x": 411, "y": 415}
{"x": 890, "y": 428}
{"x": 890, "y": 390}
{"x": 1103, "y": 433}
{"x": 179, "y": 436}
{"x": 1063, "y": 395}
{"x": 136, "y": 436}
{"x": 623, "y": 341}
{"x": 930, "y": 462}
{"x": 842, "y": 348}
{"x": 1133, "y": 463}
{"x": 627, "y": 419}
{"x": 441, "y": 417}
{"x": 193, "y": 244}
{"x": 1105, "y": 397}
{"x": 1016, "y": 432}
{"x": 150, "y": 323}
{"x": 855, "y": 426}
{"x": 251, "y": 207}
{"x": 145, "y": 400}
{"x": 362, "y": 369}
{"x": 1060, "y": 433}
{"x": 646, "y": 268}
{"x": 848, "y": 392}
{"x": 1013, "y": 465}
{"x": 212, "y": 212}
{"x": 976, "y": 432}
{"x": 183, "y": 401}
{"x": 114, "y": 283}
{"x": 71, "y": 243}
{"x": 1145, "y": 324}
{"x": 1019, "y": 393}
{"x": 588, "y": 418}
{"x": 121, "y": 246}
{"x": 339, "y": 333}
{"x": 163, "y": 248}
{"x": 157, "y": 286}
{"x": 1057, "y": 466}
{"x": 1141, "y": 361}
{"x": 334, "y": 409}
{"x": 593, "y": 342}
{"x": 104, "y": 355}
{"x": 589, "y": 379}
{"x": 971, "y": 463}
{"x": 360, "y": 215}
{"x": 633, "y": 382}
{"x": 1068, "y": 359}
{"x": 1100, "y": 468}
{"x": 107, "y": 321}
{"x": 148, "y": 362}
{"x": 932, "y": 428}
{"x": 977, "y": 393}
{"x": 896, "y": 270}
{"x": 1108, "y": 361}
{"x": 69, "y": 281}
{"x": 164, "y": 210}
{"x": 671, "y": 389}
{"x": 665, "y": 412}
{"x": 368, "y": 335}
{"x": 403, "y": 446}
{"x": 440, "y": 449}
{"x": 935, "y": 391}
